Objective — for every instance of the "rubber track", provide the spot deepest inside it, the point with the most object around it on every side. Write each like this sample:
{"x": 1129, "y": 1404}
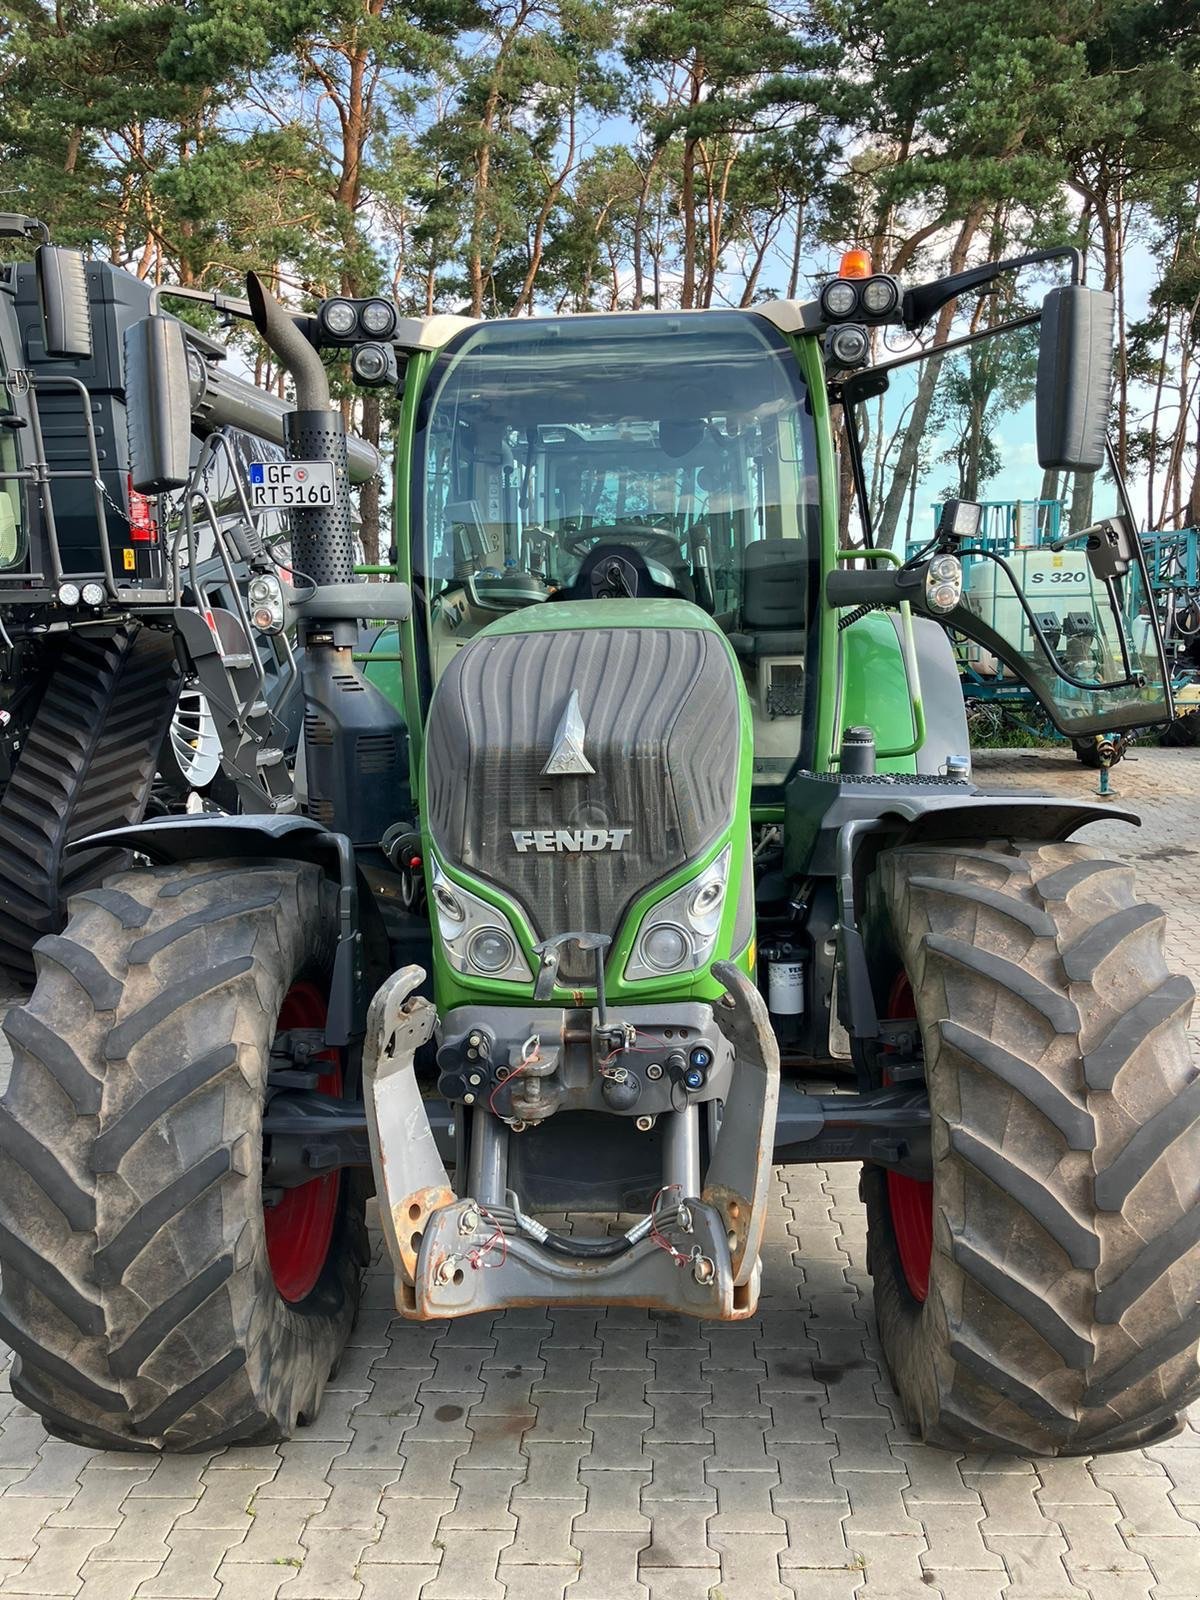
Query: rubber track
{"x": 87, "y": 764}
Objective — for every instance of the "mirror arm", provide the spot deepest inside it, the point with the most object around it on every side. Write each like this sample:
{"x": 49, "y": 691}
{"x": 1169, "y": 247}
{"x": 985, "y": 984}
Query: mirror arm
{"x": 920, "y": 304}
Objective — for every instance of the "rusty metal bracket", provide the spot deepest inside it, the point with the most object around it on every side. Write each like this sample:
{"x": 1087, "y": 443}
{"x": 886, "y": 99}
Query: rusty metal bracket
{"x": 738, "y": 1179}
{"x": 465, "y": 1268}
{"x": 410, "y": 1177}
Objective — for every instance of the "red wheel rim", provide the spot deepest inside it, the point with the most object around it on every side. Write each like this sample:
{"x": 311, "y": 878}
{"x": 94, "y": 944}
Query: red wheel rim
{"x": 910, "y": 1200}
{"x": 300, "y": 1228}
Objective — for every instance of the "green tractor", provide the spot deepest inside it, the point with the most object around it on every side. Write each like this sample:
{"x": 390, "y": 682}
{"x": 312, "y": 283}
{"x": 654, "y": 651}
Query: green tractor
{"x": 653, "y": 798}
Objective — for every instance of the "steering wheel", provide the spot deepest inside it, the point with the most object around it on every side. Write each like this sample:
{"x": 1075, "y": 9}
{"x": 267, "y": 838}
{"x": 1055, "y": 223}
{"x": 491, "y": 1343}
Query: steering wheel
{"x": 638, "y": 535}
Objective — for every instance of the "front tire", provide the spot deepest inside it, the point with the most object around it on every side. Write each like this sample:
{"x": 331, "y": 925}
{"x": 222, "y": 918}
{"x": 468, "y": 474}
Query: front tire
{"x": 1062, "y": 1308}
{"x": 138, "y": 1289}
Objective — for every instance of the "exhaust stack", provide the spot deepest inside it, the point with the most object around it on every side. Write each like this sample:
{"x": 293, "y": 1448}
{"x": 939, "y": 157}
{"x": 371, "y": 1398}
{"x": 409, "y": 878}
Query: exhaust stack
{"x": 322, "y": 537}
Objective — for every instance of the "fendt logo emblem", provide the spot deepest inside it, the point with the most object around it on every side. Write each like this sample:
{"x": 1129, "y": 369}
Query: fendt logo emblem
{"x": 572, "y": 840}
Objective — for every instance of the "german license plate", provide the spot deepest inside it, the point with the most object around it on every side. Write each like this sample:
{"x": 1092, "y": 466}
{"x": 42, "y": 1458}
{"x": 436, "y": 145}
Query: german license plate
{"x": 287, "y": 485}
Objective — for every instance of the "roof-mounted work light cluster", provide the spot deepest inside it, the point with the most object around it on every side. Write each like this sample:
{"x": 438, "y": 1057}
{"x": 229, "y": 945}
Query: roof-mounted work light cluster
{"x": 342, "y": 321}
{"x": 859, "y": 295}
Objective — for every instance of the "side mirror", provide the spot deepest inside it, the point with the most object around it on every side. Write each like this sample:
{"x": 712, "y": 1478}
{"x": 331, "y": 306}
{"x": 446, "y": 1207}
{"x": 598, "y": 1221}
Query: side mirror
{"x": 63, "y": 297}
{"x": 1074, "y": 378}
{"x": 158, "y": 405}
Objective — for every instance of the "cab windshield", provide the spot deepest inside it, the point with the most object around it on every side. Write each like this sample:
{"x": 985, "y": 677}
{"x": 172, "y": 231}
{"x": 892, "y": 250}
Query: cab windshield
{"x": 614, "y": 457}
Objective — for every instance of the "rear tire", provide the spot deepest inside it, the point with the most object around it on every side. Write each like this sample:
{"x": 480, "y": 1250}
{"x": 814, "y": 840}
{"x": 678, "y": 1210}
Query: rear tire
{"x": 1063, "y": 1305}
{"x": 138, "y": 1292}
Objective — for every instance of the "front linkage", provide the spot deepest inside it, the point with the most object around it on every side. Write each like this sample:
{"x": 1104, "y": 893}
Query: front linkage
{"x": 696, "y": 1251}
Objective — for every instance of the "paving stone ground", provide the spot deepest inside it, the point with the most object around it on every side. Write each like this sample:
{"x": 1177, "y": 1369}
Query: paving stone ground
{"x": 612, "y": 1456}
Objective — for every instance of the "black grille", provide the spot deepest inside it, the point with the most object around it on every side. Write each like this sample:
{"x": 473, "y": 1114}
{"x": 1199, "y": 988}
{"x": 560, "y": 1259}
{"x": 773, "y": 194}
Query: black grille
{"x": 660, "y": 708}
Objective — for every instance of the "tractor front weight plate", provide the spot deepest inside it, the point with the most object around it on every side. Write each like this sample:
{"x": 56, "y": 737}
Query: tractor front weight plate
{"x": 453, "y": 1256}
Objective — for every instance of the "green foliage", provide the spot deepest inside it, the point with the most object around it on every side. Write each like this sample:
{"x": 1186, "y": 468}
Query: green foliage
{"x": 508, "y": 156}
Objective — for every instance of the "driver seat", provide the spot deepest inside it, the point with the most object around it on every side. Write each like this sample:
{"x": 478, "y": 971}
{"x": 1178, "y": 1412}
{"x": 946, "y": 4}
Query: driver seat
{"x": 590, "y": 582}
{"x": 774, "y": 620}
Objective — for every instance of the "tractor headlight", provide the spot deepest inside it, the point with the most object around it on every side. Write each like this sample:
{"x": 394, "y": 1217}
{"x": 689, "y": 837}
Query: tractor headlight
{"x": 943, "y": 583}
{"x": 680, "y": 932}
{"x": 338, "y": 320}
{"x": 839, "y": 299}
{"x": 478, "y": 938}
{"x": 265, "y": 594}
{"x": 378, "y": 318}
{"x": 491, "y": 950}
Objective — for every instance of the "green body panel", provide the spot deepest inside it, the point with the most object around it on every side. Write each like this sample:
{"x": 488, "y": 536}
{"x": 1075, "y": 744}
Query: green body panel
{"x": 452, "y": 988}
{"x": 875, "y": 689}
{"x": 382, "y": 666}
{"x": 823, "y": 737}
{"x": 419, "y": 366}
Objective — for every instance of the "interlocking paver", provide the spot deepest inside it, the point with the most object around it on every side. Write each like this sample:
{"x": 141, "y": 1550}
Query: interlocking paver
{"x": 618, "y": 1445}
{"x": 20, "y": 1522}
{"x": 393, "y": 1582}
{"x": 273, "y": 1538}
{"x": 354, "y": 1499}
{"x": 956, "y": 1539}
{"x": 815, "y": 1533}
{"x": 545, "y": 1455}
{"x": 543, "y": 1534}
{"x": 750, "y": 1566}
{"x": 1095, "y": 1542}
{"x": 679, "y": 1418}
{"x": 189, "y": 1572}
{"x": 559, "y": 1419}
{"x": 303, "y": 1471}
{"x": 114, "y": 1580}
{"x": 1148, "y": 1504}
{"x": 411, "y": 1533}
{"x": 331, "y": 1566}
{"x": 227, "y": 1500}
{"x": 744, "y": 1502}
{"x": 1035, "y": 1565}
{"x": 497, "y": 1442}
{"x": 468, "y": 1567}
{"x": 608, "y": 1567}
{"x": 142, "y": 1534}
{"x": 553, "y": 1472}
{"x": 679, "y": 1536}
{"x": 677, "y": 1474}
{"x": 54, "y": 1569}
{"x": 57, "y": 1471}
{"x": 876, "y": 1503}
{"x": 613, "y": 1502}
{"x": 98, "y": 1502}
{"x": 246, "y": 1582}
{"x": 483, "y": 1496}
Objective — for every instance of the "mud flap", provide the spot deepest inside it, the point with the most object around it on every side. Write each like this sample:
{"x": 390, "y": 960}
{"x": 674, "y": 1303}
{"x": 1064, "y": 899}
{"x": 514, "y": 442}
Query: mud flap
{"x": 453, "y": 1258}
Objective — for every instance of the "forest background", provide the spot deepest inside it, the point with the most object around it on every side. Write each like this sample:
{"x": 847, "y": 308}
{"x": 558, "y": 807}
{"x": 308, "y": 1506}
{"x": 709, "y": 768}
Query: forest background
{"x": 515, "y": 157}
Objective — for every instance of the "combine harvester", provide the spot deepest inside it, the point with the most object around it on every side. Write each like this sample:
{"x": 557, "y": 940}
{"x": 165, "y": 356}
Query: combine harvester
{"x": 683, "y": 784}
{"x": 101, "y": 694}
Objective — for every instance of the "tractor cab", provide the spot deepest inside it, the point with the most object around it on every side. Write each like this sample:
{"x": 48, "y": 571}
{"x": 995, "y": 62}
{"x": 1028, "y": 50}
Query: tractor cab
{"x": 571, "y": 461}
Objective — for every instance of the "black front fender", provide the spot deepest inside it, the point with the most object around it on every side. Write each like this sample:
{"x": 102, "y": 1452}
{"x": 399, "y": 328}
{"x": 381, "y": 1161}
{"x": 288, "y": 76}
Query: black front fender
{"x": 170, "y": 840}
